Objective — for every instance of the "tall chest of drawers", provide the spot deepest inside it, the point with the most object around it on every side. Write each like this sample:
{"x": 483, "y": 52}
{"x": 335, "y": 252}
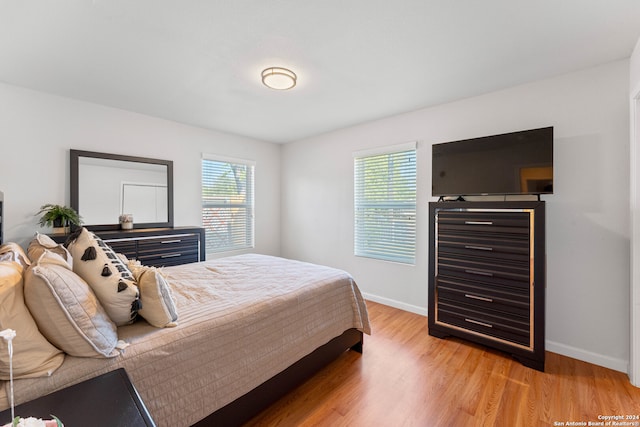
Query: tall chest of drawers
{"x": 487, "y": 275}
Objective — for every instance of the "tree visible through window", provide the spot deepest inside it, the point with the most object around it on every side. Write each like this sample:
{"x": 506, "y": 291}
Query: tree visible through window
{"x": 385, "y": 206}
{"x": 227, "y": 204}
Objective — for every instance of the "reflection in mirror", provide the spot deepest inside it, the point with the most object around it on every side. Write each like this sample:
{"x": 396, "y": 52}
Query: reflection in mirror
{"x": 105, "y": 186}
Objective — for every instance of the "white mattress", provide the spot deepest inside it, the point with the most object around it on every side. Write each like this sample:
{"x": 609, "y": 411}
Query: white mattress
{"x": 243, "y": 319}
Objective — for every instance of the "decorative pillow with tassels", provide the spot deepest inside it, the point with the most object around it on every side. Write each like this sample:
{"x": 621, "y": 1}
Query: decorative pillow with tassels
{"x": 108, "y": 276}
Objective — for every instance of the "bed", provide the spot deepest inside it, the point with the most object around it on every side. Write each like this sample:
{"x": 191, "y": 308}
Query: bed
{"x": 251, "y": 327}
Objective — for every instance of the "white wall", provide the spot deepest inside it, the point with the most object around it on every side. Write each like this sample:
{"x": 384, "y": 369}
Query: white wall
{"x": 587, "y": 217}
{"x": 37, "y": 130}
{"x": 634, "y": 85}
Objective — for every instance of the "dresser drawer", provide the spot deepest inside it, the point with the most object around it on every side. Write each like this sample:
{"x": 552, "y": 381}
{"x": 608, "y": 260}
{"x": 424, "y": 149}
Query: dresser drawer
{"x": 474, "y": 269}
{"x": 167, "y": 259}
{"x": 483, "y": 245}
{"x": 519, "y": 237}
{"x": 166, "y": 244}
{"x": 169, "y": 250}
{"x": 484, "y": 219}
{"x": 472, "y": 256}
{"x": 511, "y": 328}
{"x": 485, "y": 296}
{"x": 506, "y": 232}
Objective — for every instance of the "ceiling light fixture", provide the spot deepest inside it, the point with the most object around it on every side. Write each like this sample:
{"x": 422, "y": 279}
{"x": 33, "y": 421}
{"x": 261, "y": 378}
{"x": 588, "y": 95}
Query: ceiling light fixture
{"x": 279, "y": 78}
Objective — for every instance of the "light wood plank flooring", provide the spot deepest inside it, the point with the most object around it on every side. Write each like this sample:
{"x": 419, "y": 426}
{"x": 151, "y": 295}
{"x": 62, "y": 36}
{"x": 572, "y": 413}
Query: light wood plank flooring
{"x": 407, "y": 378}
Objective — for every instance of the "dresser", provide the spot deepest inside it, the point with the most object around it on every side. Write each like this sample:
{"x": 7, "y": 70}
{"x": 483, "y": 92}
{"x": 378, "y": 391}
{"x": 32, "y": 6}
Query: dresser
{"x": 157, "y": 247}
{"x": 487, "y": 275}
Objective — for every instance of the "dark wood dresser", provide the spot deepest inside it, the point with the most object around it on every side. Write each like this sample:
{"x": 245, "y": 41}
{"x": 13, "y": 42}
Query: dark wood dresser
{"x": 157, "y": 247}
{"x": 109, "y": 400}
{"x": 487, "y": 275}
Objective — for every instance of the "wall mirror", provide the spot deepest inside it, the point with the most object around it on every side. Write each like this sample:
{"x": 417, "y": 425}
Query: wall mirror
{"x": 105, "y": 186}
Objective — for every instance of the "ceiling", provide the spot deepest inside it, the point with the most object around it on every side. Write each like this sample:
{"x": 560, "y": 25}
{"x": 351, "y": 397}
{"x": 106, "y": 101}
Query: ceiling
{"x": 198, "y": 62}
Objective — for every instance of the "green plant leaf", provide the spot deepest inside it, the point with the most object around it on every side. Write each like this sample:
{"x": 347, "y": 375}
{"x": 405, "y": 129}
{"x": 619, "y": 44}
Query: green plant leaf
{"x": 57, "y": 420}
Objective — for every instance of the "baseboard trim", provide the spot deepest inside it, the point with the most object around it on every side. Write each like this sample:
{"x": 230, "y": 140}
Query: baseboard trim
{"x": 588, "y": 356}
{"x": 620, "y": 365}
{"x": 396, "y": 304}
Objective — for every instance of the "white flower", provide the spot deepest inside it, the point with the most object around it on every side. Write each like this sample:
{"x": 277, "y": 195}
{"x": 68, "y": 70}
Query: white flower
{"x": 31, "y": 422}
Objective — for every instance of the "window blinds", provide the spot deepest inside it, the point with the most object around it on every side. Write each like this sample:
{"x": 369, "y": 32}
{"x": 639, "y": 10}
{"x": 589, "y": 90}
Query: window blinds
{"x": 227, "y": 204}
{"x": 385, "y": 204}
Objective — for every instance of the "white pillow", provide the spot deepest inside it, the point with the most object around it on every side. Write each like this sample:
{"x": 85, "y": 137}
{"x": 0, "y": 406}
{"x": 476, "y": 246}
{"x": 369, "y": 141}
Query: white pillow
{"x": 158, "y": 307}
{"x": 66, "y": 309}
{"x": 42, "y": 242}
{"x": 108, "y": 276}
{"x": 33, "y": 355}
{"x": 13, "y": 252}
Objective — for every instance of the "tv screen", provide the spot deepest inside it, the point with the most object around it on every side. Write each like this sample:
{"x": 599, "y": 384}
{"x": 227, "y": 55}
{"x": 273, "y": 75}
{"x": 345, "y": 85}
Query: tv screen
{"x": 506, "y": 164}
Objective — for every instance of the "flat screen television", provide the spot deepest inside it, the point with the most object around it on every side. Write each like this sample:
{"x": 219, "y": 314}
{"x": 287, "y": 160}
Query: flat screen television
{"x": 506, "y": 164}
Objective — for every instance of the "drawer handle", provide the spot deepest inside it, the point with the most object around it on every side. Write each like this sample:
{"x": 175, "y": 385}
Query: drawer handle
{"x": 480, "y": 248}
{"x": 480, "y": 273}
{"x": 478, "y": 298}
{"x": 170, "y": 255}
{"x": 171, "y": 241}
{"x": 478, "y": 323}
{"x": 479, "y": 222}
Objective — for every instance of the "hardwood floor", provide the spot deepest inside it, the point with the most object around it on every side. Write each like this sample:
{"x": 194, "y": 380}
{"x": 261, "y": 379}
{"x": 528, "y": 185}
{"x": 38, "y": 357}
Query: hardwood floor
{"x": 407, "y": 378}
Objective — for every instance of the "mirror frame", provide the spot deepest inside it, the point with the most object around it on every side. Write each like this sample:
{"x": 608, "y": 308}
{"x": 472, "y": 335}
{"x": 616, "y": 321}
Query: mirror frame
{"x": 75, "y": 155}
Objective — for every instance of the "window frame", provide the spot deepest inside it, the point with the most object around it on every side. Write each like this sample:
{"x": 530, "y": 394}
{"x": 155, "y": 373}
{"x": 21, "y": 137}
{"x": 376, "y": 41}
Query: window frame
{"x": 248, "y": 205}
{"x": 400, "y": 249}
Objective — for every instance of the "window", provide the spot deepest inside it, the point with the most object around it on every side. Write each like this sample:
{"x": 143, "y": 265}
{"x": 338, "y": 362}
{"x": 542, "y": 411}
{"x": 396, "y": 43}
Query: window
{"x": 227, "y": 203}
{"x": 385, "y": 203}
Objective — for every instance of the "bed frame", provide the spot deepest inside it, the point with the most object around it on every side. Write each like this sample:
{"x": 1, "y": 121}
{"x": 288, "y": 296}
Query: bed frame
{"x": 251, "y": 404}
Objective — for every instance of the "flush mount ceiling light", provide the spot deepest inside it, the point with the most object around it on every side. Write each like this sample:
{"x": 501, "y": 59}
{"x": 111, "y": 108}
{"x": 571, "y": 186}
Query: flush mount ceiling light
{"x": 279, "y": 78}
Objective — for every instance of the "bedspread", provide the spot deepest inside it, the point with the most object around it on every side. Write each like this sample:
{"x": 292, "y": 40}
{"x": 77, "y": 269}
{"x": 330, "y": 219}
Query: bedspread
{"x": 243, "y": 319}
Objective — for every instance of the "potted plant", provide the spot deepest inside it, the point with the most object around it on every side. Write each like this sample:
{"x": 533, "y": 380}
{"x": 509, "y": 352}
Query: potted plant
{"x": 59, "y": 217}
